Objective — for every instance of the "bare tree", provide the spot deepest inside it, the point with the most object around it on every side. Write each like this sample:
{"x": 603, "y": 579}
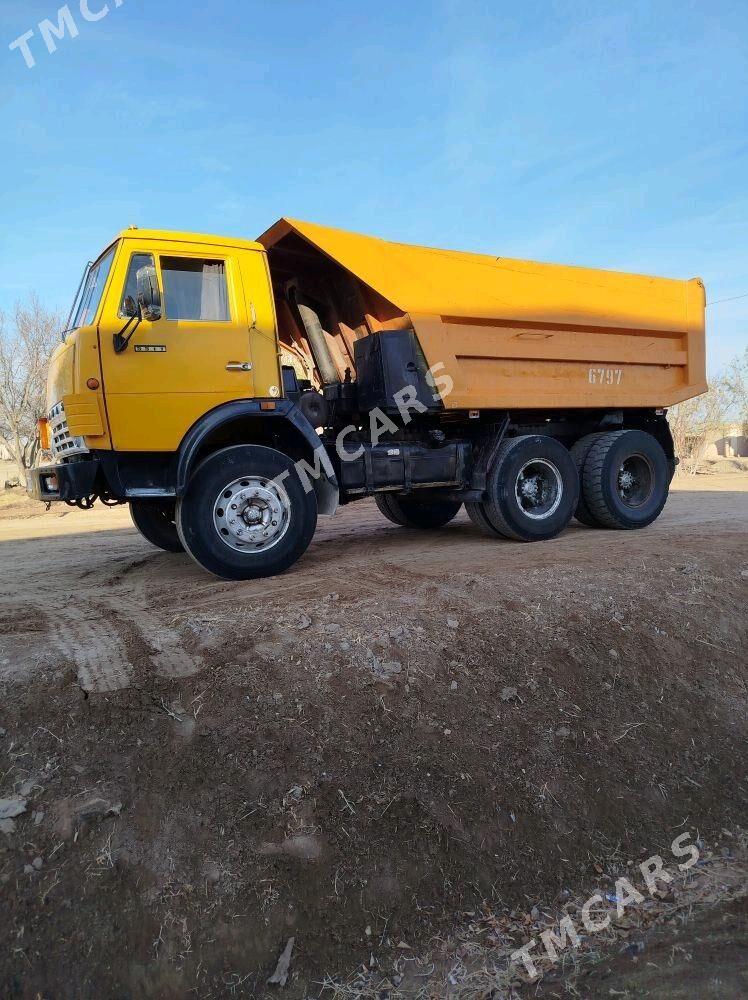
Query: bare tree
{"x": 736, "y": 380}
{"x": 692, "y": 421}
{"x": 25, "y": 347}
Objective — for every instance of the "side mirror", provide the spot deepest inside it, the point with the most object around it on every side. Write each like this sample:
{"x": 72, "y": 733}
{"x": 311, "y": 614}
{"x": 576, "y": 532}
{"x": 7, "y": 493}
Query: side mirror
{"x": 149, "y": 294}
{"x": 130, "y": 307}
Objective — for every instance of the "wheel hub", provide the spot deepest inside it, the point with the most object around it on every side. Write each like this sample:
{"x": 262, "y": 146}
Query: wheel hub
{"x": 636, "y": 480}
{"x": 539, "y": 488}
{"x": 531, "y": 488}
{"x": 251, "y": 514}
{"x": 626, "y": 480}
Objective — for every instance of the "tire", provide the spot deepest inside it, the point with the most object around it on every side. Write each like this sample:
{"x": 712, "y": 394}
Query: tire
{"x": 639, "y": 500}
{"x": 271, "y": 525}
{"x": 410, "y": 512}
{"x": 579, "y": 452}
{"x": 155, "y": 522}
{"x": 477, "y": 516}
{"x": 533, "y": 490}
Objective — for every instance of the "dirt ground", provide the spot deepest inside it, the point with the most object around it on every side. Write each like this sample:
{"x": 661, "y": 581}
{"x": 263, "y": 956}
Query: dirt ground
{"x": 406, "y": 726}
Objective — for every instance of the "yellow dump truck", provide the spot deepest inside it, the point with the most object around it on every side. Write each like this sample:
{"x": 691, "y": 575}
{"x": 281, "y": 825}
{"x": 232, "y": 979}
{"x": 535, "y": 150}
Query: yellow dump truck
{"x": 230, "y": 391}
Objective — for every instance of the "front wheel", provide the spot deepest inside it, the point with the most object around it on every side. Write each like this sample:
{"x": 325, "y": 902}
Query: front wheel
{"x": 411, "y": 512}
{"x": 154, "y": 519}
{"x": 246, "y": 513}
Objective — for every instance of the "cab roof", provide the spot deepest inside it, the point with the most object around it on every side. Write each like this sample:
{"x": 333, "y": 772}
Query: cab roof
{"x": 174, "y": 236}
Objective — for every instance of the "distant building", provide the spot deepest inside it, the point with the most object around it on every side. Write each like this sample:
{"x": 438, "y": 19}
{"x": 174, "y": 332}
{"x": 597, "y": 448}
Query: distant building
{"x": 728, "y": 441}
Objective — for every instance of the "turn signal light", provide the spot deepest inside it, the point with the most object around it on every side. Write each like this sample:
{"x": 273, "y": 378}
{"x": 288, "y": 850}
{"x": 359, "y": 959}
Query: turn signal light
{"x": 93, "y": 383}
{"x": 43, "y": 427}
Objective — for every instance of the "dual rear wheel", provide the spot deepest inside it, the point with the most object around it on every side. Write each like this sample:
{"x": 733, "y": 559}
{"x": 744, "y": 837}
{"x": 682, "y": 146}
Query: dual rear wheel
{"x": 532, "y": 490}
{"x": 625, "y": 479}
{"x": 535, "y": 486}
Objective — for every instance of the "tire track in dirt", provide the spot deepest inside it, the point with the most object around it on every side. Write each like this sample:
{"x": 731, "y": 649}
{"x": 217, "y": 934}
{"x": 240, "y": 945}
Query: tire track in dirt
{"x": 409, "y": 585}
{"x": 94, "y": 647}
{"x": 166, "y": 649}
{"x": 163, "y": 644}
{"x": 96, "y": 639}
{"x": 169, "y": 657}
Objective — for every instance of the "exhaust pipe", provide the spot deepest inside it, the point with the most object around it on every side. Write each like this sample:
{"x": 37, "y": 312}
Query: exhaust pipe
{"x": 317, "y": 339}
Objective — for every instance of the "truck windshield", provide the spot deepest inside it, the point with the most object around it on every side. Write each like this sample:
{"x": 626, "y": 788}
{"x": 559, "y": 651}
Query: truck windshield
{"x": 89, "y": 293}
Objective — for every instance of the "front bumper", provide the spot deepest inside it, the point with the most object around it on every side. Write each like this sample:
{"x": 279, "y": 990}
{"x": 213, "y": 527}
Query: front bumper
{"x": 62, "y": 482}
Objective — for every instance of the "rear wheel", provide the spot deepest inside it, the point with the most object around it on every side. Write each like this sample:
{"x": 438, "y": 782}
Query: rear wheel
{"x": 626, "y": 479}
{"x": 532, "y": 488}
{"x": 154, "y": 519}
{"x": 579, "y": 452}
{"x": 246, "y": 514}
{"x": 477, "y": 516}
{"x": 410, "y": 512}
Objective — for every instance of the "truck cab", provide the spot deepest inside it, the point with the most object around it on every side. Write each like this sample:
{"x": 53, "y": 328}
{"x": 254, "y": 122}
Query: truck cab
{"x": 212, "y": 341}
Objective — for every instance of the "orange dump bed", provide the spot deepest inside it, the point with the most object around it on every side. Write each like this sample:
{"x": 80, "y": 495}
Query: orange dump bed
{"x": 515, "y": 333}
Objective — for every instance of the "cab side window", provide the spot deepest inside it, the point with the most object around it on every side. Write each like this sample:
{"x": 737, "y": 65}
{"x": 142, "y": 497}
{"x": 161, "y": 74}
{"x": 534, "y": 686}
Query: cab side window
{"x": 195, "y": 289}
{"x": 128, "y": 305}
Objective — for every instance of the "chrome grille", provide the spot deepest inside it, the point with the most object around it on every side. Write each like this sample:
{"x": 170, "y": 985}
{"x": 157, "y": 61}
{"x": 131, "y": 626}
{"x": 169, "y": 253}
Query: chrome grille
{"x": 62, "y": 444}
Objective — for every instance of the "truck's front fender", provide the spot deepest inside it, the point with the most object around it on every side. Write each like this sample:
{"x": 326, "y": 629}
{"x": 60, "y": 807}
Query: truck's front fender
{"x": 245, "y": 421}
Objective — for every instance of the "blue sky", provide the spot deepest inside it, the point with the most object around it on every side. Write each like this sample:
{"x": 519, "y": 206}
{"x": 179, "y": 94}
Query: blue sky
{"x": 607, "y": 135}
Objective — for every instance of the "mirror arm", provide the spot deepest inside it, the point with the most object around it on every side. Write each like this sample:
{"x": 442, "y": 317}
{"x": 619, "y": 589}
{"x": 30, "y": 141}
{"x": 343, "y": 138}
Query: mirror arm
{"x": 120, "y": 340}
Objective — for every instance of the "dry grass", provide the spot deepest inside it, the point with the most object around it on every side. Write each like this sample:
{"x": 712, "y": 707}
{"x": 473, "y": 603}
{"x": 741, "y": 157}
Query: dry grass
{"x": 476, "y": 963}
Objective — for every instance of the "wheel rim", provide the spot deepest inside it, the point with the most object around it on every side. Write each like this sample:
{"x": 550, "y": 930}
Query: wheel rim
{"x": 538, "y": 489}
{"x": 635, "y": 480}
{"x": 252, "y": 514}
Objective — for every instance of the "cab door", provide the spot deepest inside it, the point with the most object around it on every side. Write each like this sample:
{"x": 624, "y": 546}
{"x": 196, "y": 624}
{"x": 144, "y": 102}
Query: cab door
{"x": 195, "y": 357}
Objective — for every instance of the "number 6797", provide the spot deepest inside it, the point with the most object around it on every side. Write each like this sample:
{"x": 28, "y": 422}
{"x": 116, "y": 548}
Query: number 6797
{"x": 605, "y": 376}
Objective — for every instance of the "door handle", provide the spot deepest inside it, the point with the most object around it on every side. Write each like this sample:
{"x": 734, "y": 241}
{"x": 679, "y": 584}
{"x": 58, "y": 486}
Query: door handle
{"x": 239, "y": 366}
